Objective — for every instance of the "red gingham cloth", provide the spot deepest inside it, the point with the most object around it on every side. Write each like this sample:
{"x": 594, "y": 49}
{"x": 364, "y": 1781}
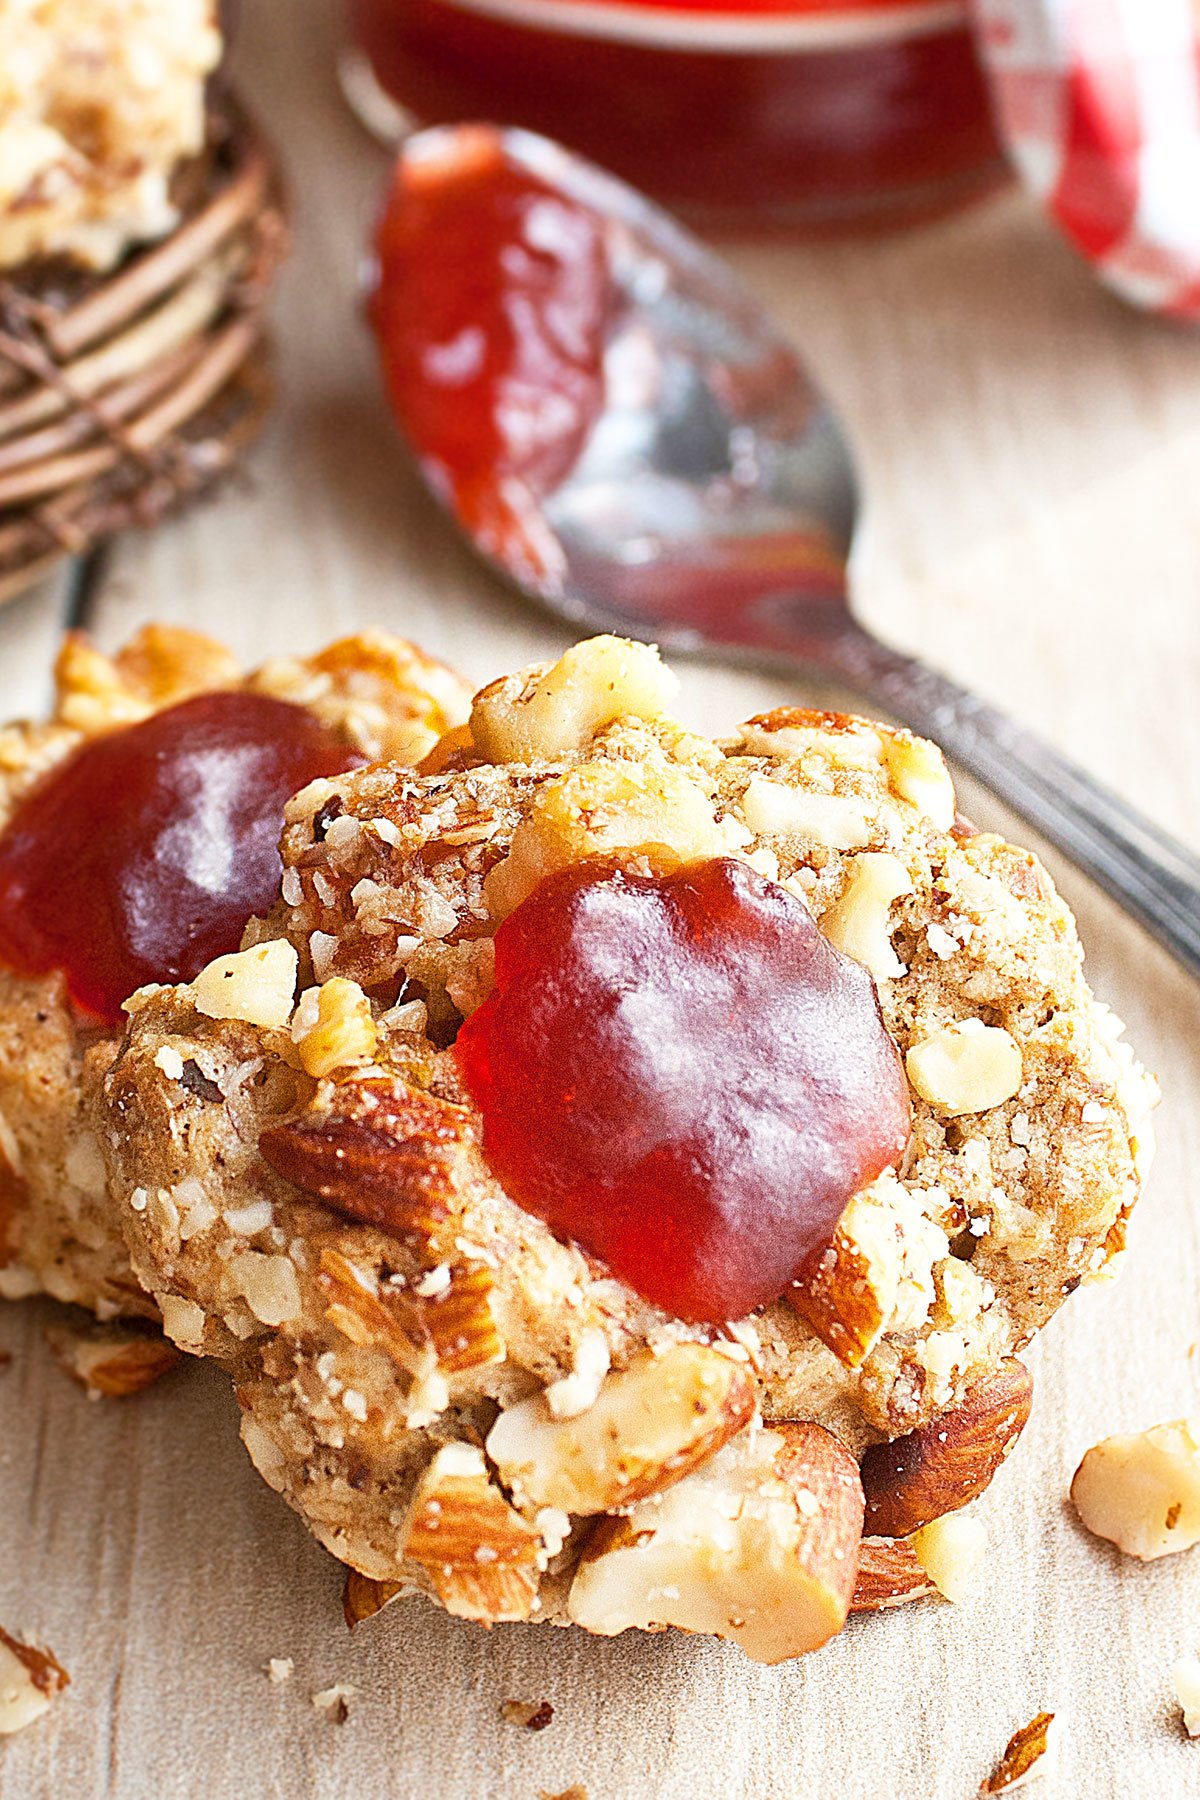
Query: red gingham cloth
{"x": 1100, "y": 103}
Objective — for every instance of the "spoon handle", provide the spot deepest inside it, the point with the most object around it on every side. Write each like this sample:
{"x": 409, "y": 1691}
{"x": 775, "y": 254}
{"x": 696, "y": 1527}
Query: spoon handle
{"x": 1147, "y": 871}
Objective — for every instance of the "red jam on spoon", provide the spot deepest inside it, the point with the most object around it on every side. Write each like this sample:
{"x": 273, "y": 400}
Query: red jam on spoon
{"x": 490, "y": 306}
{"x": 142, "y": 856}
{"x": 680, "y": 1073}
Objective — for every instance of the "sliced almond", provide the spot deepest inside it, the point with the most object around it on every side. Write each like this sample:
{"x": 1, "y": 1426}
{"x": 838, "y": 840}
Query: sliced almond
{"x": 942, "y": 1465}
{"x": 111, "y": 1360}
{"x": 759, "y": 1546}
{"x": 1142, "y": 1491}
{"x": 650, "y": 1423}
{"x": 889, "y": 1574}
{"x": 478, "y": 1554}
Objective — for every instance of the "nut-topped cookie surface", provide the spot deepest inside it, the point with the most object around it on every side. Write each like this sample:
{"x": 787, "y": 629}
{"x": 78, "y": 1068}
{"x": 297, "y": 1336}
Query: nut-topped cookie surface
{"x": 133, "y": 825}
{"x": 99, "y": 101}
{"x": 316, "y": 1207}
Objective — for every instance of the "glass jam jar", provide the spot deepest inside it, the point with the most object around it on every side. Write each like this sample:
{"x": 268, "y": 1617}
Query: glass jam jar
{"x": 741, "y": 114}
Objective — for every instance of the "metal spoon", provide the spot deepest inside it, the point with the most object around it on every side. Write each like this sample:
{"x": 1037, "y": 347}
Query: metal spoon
{"x": 712, "y": 510}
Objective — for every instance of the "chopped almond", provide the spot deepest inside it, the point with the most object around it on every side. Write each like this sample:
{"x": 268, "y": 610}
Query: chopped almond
{"x": 363, "y": 1596}
{"x": 943, "y": 1465}
{"x": 1142, "y": 1491}
{"x": 649, "y": 1424}
{"x": 480, "y": 1556}
{"x": 549, "y": 710}
{"x": 951, "y": 1550}
{"x": 30, "y": 1679}
{"x": 759, "y": 1546}
{"x": 889, "y": 1574}
{"x": 111, "y": 1360}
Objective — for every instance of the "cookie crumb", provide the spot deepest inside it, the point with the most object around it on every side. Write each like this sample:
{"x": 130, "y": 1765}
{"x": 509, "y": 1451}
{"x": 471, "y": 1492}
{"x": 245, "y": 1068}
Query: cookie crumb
{"x": 578, "y": 1792}
{"x": 534, "y": 1715}
{"x": 279, "y": 1669}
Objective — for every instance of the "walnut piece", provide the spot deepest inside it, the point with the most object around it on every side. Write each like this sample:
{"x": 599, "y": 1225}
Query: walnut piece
{"x": 333, "y": 1029}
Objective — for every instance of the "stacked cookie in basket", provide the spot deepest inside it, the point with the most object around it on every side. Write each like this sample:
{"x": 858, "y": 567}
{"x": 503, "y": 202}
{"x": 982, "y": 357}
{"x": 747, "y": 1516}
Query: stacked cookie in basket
{"x": 140, "y": 230}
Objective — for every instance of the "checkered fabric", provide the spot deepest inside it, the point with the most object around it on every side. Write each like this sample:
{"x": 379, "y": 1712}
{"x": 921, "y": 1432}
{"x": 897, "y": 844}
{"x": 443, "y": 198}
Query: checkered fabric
{"x": 1100, "y": 103}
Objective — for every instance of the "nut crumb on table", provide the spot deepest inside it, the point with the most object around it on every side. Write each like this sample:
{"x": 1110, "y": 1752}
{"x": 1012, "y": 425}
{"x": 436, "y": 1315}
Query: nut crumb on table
{"x": 1141, "y": 1490}
{"x": 1026, "y": 1756}
{"x": 30, "y": 1680}
{"x": 532, "y": 1715}
{"x": 334, "y": 1701}
{"x": 1185, "y": 1680}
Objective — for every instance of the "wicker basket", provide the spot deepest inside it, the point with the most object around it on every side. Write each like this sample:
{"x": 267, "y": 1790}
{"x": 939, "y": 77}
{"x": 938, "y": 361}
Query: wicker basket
{"x": 123, "y": 394}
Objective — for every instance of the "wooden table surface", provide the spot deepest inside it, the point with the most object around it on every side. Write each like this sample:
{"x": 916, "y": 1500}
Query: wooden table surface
{"x": 1030, "y": 453}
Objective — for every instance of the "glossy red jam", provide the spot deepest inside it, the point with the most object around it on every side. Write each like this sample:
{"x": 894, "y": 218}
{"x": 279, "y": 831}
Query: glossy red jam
{"x": 743, "y": 114}
{"x": 142, "y": 856}
{"x": 490, "y": 307}
{"x": 680, "y": 1073}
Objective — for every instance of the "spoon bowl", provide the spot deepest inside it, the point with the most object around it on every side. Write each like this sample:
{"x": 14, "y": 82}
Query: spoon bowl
{"x": 711, "y": 505}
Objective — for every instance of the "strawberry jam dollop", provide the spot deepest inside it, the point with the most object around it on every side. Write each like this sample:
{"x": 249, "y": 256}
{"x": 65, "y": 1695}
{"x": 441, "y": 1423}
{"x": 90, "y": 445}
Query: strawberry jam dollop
{"x": 142, "y": 856}
{"x": 681, "y": 1074}
{"x": 490, "y": 306}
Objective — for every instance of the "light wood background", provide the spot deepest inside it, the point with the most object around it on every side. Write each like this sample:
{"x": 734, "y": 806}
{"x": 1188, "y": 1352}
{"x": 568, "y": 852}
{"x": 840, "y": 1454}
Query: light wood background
{"x": 1031, "y": 454}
